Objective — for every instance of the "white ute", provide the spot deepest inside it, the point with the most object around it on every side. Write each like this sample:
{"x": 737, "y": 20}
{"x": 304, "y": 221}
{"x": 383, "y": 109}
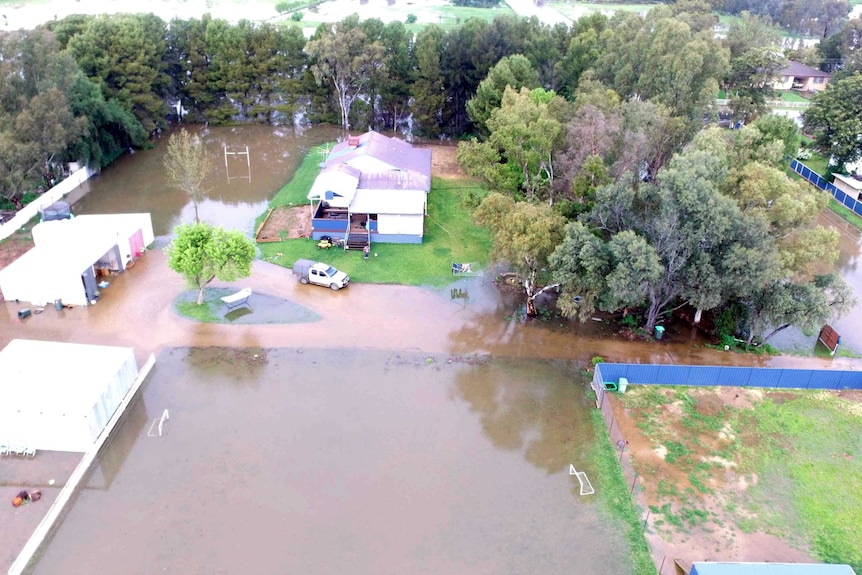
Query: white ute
{"x": 320, "y": 274}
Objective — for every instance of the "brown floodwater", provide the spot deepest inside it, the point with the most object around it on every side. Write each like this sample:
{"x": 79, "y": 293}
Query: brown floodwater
{"x": 848, "y": 267}
{"x": 340, "y": 446}
{"x": 237, "y": 189}
{"x": 333, "y": 461}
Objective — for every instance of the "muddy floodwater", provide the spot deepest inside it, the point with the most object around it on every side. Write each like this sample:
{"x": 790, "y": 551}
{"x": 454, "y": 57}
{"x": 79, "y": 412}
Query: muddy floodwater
{"x": 848, "y": 267}
{"x": 319, "y": 462}
{"x": 238, "y": 188}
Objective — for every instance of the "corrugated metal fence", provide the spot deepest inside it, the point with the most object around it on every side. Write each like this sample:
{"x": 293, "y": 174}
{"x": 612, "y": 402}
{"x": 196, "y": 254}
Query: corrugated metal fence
{"x": 708, "y": 375}
{"x": 847, "y": 201}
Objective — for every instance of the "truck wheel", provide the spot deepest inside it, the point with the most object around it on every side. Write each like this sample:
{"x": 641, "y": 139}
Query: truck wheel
{"x": 334, "y": 287}
{"x": 303, "y": 280}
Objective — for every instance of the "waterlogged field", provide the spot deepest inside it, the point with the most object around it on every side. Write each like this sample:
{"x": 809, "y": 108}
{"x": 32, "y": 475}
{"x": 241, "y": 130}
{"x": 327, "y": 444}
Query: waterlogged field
{"x": 328, "y": 461}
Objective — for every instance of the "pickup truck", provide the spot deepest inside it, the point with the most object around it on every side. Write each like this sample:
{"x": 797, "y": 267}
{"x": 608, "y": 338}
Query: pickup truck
{"x": 321, "y": 274}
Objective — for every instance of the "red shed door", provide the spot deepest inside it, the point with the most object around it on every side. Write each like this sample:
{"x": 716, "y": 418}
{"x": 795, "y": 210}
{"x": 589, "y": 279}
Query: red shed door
{"x": 136, "y": 242}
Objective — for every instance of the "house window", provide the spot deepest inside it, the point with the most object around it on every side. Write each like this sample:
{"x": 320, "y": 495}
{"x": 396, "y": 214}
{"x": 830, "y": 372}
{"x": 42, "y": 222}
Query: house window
{"x": 819, "y": 80}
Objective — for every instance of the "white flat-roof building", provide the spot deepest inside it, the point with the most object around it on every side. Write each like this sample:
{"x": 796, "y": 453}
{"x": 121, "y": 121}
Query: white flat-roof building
{"x": 60, "y": 396}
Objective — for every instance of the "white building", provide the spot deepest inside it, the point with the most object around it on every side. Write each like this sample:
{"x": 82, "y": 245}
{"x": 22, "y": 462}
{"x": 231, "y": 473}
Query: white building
{"x": 71, "y": 255}
{"x": 60, "y": 396}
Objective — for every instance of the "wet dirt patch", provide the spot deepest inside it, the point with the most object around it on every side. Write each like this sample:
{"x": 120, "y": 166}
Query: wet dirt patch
{"x": 444, "y": 161}
{"x": 261, "y": 308}
{"x": 685, "y": 445}
{"x": 286, "y": 222}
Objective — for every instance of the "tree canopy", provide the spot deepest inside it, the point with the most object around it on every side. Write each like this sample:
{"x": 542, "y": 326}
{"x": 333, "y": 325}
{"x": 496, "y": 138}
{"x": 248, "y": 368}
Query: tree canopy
{"x": 835, "y": 119}
{"x": 187, "y": 164}
{"x": 201, "y": 253}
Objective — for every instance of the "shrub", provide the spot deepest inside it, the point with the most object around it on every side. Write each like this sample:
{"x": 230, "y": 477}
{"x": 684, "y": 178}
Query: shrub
{"x": 411, "y": 18}
{"x": 296, "y": 16}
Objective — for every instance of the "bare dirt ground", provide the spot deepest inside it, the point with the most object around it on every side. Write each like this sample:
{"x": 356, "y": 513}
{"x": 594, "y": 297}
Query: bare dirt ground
{"x": 286, "y": 222}
{"x": 444, "y": 163}
{"x": 708, "y": 523}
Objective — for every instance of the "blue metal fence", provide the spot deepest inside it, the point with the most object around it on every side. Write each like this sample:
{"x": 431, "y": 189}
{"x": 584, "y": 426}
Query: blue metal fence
{"x": 707, "y": 375}
{"x": 847, "y": 201}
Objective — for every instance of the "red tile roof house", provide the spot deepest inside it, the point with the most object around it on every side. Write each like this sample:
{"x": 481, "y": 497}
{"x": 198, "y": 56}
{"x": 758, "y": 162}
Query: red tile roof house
{"x": 372, "y": 188}
{"x": 801, "y": 77}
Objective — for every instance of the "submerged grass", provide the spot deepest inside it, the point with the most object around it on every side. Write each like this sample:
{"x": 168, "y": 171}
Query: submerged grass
{"x": 846, "y": 214}
{"x": 615, "y": 497}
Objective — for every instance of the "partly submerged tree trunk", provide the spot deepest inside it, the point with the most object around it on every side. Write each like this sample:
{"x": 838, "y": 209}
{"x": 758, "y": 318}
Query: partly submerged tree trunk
{"x": 529, "y": 284}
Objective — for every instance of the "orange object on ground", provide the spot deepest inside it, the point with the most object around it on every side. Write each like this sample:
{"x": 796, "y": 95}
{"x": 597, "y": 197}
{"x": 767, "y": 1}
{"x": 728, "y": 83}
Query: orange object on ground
{"x": 17, "y": 502}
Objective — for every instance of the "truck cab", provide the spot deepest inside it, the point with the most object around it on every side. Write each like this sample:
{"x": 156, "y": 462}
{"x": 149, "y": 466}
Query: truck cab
{"x": 321, "y": 274}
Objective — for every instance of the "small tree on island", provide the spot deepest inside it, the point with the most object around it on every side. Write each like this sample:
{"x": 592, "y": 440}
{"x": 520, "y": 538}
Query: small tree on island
{"x": 187, "y": 164}
{"x": 201, "y": 253}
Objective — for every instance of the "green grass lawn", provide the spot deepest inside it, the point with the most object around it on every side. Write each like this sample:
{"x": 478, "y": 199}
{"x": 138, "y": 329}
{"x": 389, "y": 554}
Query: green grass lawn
{"x": 803, "y": 447}
{"x": 450, "y": 236}
{"x": 817, "y": 163}
{"x": 576, "y": 9}
{"x": 789, "y": 96}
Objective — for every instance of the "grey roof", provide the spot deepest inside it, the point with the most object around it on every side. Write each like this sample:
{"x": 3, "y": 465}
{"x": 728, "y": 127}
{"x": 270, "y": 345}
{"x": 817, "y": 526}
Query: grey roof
{"x": 798, "y": 69}
{"x": 414, "y": 164}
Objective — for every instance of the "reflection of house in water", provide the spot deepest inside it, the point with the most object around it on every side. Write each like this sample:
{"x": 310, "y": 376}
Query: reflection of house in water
{"x": 372, "y": 189}
{"x": 112, "y": 457}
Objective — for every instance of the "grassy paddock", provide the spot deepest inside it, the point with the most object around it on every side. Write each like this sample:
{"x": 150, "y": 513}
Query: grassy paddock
{"x": 803, "y": 446}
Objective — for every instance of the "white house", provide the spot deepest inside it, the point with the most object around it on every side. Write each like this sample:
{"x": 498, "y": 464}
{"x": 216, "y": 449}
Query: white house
{"x": 60, "y": 396}
{"x": 372, "y": 188}
{"x": 70, "y": 256}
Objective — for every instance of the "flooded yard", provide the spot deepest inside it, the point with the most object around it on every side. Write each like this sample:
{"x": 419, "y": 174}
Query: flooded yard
{"x": 324, "y": 461}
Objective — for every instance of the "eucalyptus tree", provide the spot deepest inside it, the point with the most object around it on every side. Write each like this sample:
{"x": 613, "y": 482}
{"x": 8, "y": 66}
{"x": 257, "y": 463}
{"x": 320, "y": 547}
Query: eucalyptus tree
{"x": 660, "y": 58}
{"x": 835, "y": 119}
{"x": 665, "y": 244}
{"x": 524, "y": 235}
{"x": 37, "y": 123}
{"x": 525, "y": 136}
{"x": 341, "y": 55}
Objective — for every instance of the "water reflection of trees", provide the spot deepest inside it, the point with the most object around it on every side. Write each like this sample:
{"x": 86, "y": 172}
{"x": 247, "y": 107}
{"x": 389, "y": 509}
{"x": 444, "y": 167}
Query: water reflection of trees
{"x": 536, "y": 408}
{"x": 241, "y": 364}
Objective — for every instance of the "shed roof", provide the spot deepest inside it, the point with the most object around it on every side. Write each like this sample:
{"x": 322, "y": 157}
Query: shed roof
{"x": 770, "y": 569}
{"x": 850, "y": 181}
{"x": 799, "y": 69}
{"x": 56, "y": 377}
